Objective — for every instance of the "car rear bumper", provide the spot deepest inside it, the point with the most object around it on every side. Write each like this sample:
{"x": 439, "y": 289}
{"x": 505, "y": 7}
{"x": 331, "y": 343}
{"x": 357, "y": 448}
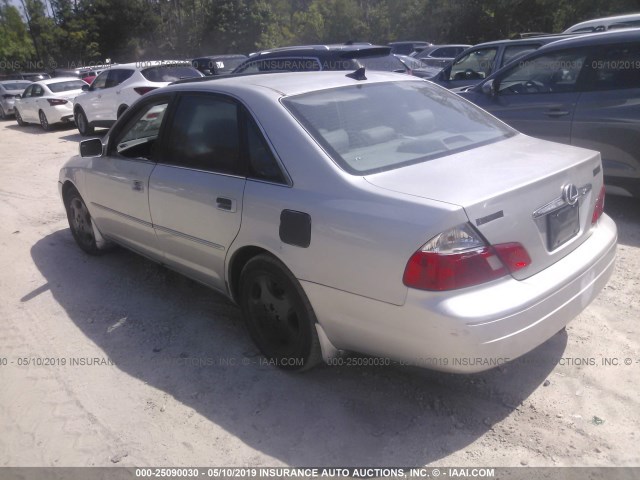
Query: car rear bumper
{"x": 476, "y": 328}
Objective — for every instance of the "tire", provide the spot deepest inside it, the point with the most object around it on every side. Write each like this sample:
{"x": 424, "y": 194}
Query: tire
{"x": 21, "y": 122}
{"x": 3, "y": 114}
{"x": 121, "y": 110}
{"x": 83, "y": 124}
{"x": 44, "y": 123}
{"x": 278, "y": 315}
{"x": 80, "y": 223}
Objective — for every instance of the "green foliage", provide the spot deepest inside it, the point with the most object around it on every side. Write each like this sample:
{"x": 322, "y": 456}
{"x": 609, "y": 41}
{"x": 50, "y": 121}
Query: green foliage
{"x": 16, "y": 48}
{"x": 71, "y": 33}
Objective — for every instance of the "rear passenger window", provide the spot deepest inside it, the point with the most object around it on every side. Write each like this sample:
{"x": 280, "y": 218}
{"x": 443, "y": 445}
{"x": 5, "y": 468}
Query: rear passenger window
{"x": 262, "y": 164}
{"x": 615, "y": 68}
{"x": 204, "y": 135}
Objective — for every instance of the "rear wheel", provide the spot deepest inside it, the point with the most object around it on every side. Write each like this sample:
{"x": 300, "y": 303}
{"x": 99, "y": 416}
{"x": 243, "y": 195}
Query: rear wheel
{"x": 21, "y": 122}
{"x": 278, "y": 314}
{"x": 83, "y": 124}
{"x": 44, "y": 123}
{"x": 121, "y": 110}
{"x": 80, "y": 223}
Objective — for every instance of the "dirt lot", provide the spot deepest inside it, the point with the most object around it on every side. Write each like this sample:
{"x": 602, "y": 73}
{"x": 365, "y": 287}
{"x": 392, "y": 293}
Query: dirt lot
{"x": 158, "y": 370}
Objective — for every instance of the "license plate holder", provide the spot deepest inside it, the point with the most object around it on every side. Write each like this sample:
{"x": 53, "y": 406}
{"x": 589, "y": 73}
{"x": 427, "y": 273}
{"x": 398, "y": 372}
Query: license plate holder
{"x": 562, "y": 225}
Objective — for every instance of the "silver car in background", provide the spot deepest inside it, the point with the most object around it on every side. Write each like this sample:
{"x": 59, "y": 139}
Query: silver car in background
{"x": 362, "y": 211}
{"x": 10, "y": 90}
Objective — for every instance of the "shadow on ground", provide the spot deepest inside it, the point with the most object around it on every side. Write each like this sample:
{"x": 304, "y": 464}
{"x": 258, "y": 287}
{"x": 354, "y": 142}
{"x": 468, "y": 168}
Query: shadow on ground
{"x": 625, "y": 211}
{"x": 153, "y": 323}
{"x": 36, "y": 129}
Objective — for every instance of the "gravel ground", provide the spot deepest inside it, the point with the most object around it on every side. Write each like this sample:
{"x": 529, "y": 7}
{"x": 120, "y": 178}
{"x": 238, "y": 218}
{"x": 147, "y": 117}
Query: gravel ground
{"x": 159, "y": 371}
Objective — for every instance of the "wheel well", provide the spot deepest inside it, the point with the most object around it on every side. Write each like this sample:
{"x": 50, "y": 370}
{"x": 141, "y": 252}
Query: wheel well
{"x": 238, "y": 261}
{"x": 67, "y": 188}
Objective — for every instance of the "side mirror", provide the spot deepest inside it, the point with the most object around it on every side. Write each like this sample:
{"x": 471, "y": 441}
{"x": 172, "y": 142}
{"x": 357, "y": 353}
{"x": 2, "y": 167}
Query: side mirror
{"x": 490, "y": 88}
{"x": 91, "y": 148}
{"x": 85, "y": 88}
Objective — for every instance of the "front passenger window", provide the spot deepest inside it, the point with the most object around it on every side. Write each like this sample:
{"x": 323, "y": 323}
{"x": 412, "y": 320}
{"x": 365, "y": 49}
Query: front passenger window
{"x": 141, "y": 135}
{"x": 553, "y": 73}
{"x": 476, "y": 65}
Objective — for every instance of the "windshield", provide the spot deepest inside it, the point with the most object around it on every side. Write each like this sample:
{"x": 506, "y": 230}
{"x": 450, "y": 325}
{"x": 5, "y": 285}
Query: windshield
{"x": 66, "y": 86}
{"x": 377, "y": 127}
{"x": 16, "y": 86}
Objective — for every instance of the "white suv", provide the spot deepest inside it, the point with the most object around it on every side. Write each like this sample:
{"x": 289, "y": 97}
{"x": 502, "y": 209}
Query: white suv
{"x": 119, "y": 86}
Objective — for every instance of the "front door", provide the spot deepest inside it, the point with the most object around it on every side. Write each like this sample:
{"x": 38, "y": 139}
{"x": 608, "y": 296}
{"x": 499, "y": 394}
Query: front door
{"x": 119, "y": 181}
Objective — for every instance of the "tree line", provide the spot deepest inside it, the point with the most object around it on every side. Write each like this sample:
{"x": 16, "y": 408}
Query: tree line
{"x": 69, "y": 33}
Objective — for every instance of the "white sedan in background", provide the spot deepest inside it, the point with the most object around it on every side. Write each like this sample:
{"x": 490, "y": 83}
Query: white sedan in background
{"x": 48, "y": 102}
{"x": 374, "y": 213}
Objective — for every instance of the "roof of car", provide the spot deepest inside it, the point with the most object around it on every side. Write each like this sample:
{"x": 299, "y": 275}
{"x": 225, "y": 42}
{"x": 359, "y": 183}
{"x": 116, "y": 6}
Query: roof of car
{"x": 49, "y": 81}
{"x": 598, "y": 38}
{"x": 320, "y": 48}
{"x": 604, "y": 20}
{"x": 289, "y": 83}
{"x": 541, "y": 39}
{"x": 2, "y": 82}
{"x": 151, "y": 63}
{"x": 225, "y": 55}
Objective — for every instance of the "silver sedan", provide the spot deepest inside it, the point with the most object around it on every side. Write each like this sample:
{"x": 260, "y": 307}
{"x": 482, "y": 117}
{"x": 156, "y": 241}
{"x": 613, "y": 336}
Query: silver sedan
{"x": 365, "y": 211}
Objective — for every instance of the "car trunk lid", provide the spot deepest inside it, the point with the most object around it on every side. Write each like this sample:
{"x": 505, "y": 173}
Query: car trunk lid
{"x": 514, "y": 190}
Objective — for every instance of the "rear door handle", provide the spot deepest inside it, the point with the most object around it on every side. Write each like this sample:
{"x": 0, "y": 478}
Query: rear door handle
{"x": 226, "y": 204}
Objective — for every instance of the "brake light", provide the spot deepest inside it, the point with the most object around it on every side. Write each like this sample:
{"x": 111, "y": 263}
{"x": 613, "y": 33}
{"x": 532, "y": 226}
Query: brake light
{"x": 56, "y": 101}
{"x": 598, "y": 209}
{"x": 460, "y": 258}
{"x": 143, "y": 90}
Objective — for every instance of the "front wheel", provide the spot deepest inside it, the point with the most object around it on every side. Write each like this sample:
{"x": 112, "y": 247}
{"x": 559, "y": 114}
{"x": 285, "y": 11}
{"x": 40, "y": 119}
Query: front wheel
{"x": 80, "y": 223}
{"x": 278, "y": 315}
{"x": 3, "y": 114}
{"x": 83, "y": 124}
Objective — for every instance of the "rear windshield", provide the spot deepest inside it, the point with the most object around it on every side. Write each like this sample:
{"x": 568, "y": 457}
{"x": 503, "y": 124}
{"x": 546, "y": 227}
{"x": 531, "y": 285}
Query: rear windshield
{"x": 169, "y": 73}
{"x": 16, "y": 86}
{"x": 66, "y": 86}
{"x": 377, "y": 127}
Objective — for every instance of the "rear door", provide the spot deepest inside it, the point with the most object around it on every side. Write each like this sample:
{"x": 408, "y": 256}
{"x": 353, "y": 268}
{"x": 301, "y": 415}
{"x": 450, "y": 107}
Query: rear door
{"x": 196, "y": 191}
{"x": 608, "y": 112}
{"x": 538, "y": 94}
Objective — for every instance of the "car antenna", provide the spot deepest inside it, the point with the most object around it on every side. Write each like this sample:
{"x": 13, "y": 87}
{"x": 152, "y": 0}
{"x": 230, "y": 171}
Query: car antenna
{"x": 358, "y": 74}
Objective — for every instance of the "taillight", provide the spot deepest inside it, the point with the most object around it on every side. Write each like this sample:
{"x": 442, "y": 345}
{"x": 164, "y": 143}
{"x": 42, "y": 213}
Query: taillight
{"x": 460, "y": 258}
{"x": 598, "y": 209}
{"x": 56, "y": 101}
{"x": 143, "y": 90}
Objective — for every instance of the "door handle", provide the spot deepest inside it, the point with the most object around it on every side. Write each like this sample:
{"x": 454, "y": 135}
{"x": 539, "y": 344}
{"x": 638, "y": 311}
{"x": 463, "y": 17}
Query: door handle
{"x": 226, "y": 204}
{"x": 556, "y": 112}
{"x": 138, "y": 186}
